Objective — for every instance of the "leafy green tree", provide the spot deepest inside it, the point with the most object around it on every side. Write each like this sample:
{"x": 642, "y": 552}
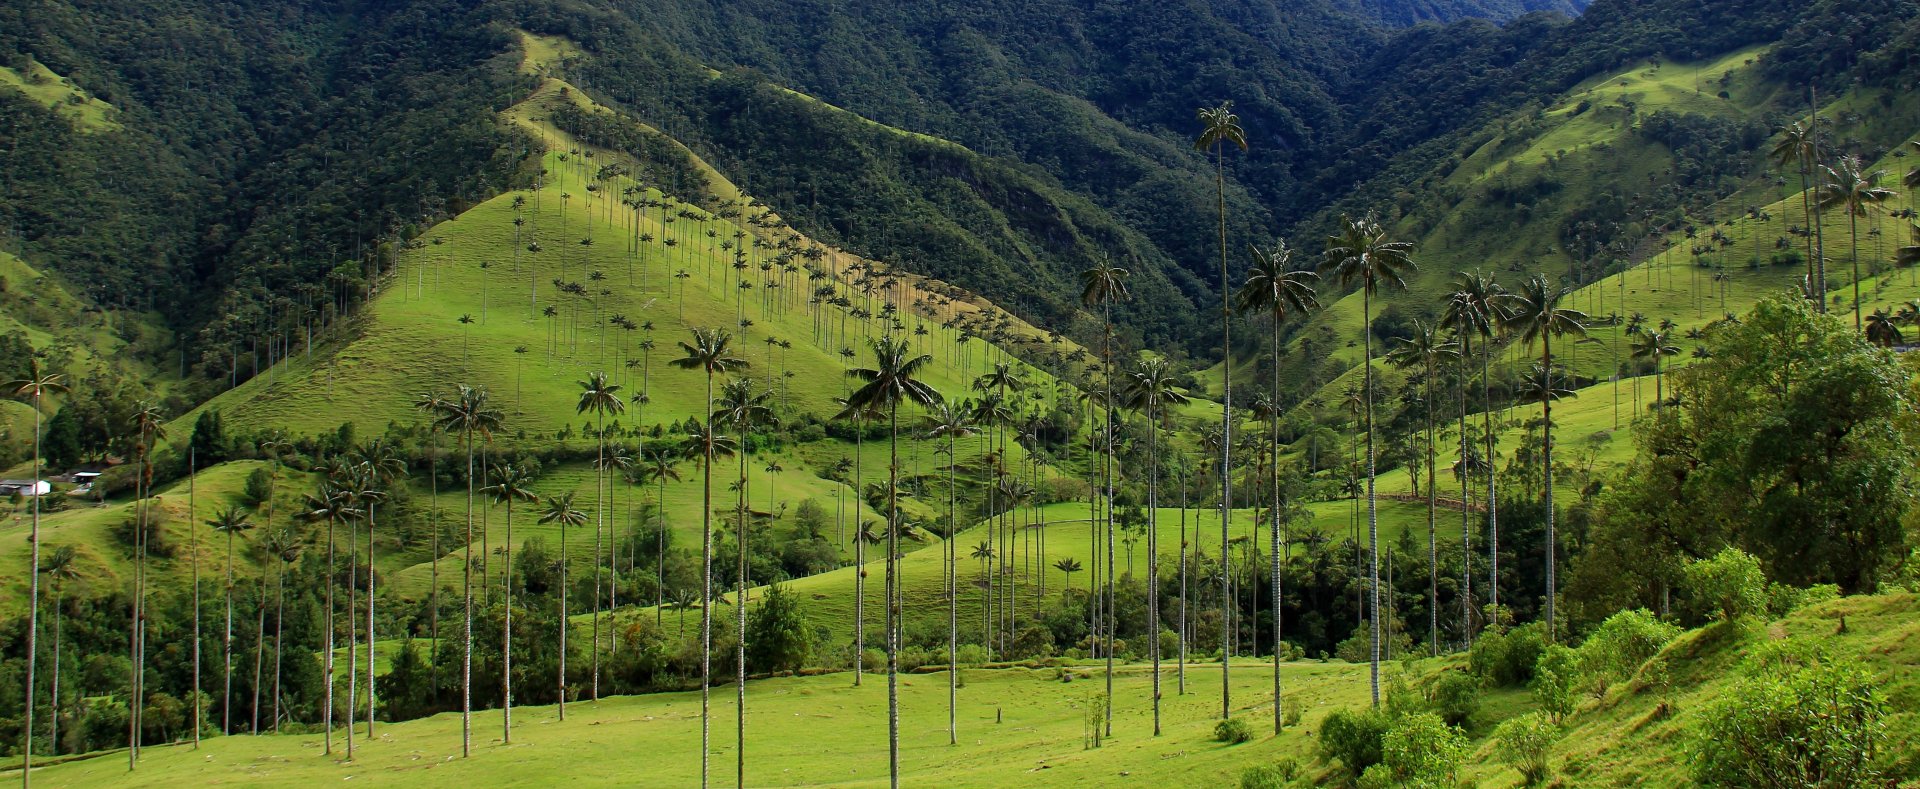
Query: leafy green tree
{"x": 1524, "y": 743}
{"x": 1362, "y": 253}
{"x": 1423, "y": 752}
{"x": 1730, "y": 584}
{"x": 780, "y": 638}
{"x": 1817, "y": 723}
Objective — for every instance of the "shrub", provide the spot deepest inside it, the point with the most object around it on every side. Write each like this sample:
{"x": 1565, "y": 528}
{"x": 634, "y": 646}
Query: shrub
{"x": 1792, "y": 722}
{"x": 1506, "y": 659}
{"x": 1270, "y": 776}
{"x": 1556, "y": 681}
{"x": 1783, "y": 599}
{"x": 1456, "y": 697}
{"x": 1422, "y": 751}
{"x": 1730, "y": 584}
{"x": 1354, "y": 738}
{"x": 1290, "y": 712}
{"x": 1620, "y": 646}
{"x": 1523, "y": 743}
{"x": 1232, "y": 731}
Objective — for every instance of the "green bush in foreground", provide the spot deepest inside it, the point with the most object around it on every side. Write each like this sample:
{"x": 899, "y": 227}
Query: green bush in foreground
{"x": 1232, "y": 731}
{"x": 1270, "y": 776}
{"x": 1796, "y": 720}
{"x": 1523, "y": 744}
{"x": 1506, "y": 658}
{"x": 1354, "y": 737}
{"x": 1730, "y": 584}
{"x": 1456, "y": 697}
{"x": 1422, "y": 751}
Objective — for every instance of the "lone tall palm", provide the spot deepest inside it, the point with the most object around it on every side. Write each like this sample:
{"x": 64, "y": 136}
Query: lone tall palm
{"x": 742, "y": 408}
{"x": 952, "y": 422}
{"x": 890, "y": 382}
{"x": 510, "y": 484}
{"x": 1535, "y": 316}
{"x": 1361, "y": 253}
{"x": 35, "y": 386}
{"x": 711, "y": 353}
{"x": 470, "y": 414}
{"x": 1103, "y": 285}
{"x": 1274, "y": 288}
{"x": 1857, "y": 191}
{"x": 1150, "y": 390}
{"x": 600, "y": 397}
{"x": 1220, "y": 128}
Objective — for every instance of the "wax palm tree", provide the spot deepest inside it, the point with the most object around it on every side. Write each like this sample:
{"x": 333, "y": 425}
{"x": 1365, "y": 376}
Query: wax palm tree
{"x": 1655, "y": 346}
{"x": 710, "y": 352}
{"x": 741, "y": 408}
{"x": 35, "y": 386}
{"x": 1362, "y": 253}
{"x": 1067, "y": 567}
{"x": 149, "y": 425}
{"x": 1426, "y": 350}
{"x": 1534, "y": 315}
{"x": 561, "y": 510}
{"x": 1796, "y": 149}
{"x": 1103, "y": 285}
{"x": 284, "y": 546}
{"x": 1220, "y": 129}
{"x": 1475, "y": 309}
{"x": 61, "y": 569}
{"x": 383, "y": 466}
{"x": 891, "y": 381}
{"x": 1857, "y": 191}
{"x": 511, "y": 483}
{"x": 1150, "y": 389}
{"x": 659, "y": 464}
{"x": 362, "y": 489}
{"x": 330, "y": 504}
{"x": 952, "y": 422}
{"x": 469, "y": 413}
{"x": 1283, "y": 294}
{"x": 1883, "y": 329}
{"x": 229, "y": 522}
{"x": 598, "y": 396}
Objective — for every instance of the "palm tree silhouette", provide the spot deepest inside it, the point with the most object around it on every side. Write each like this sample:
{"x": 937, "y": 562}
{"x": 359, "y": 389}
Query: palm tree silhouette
{"x": 1105, "y": 284}
{"x": 952, "y": 422}
{"x": 469, "y": 413}
{"x": 1796, "y": 149}
{"x": 1274, "y": 287}
{"x": 1535, "y": 315}
{"x": 1362, "y": 253}
{"x": 229, "y": 522}
{"x": 1150, "y": 389}
{"x": 149, "y": 426}
{"x": 1475, "y": 309}
{"x": 382, "y": 466}
{"x": 1067, "y": 567}
{"x": 1655, "y": 345}
{"x": 60, "y": 569}
{"x": 742, "y": 408}
{"x": 1857, "y": 191}
{"x": 1883, "y": 329}
{"x": 892, "y": 381}
{"x": 1425, "y": 349}
{"x": 1220, "y": 128}
{"x": 599, "y": 397}
{"x": 333, "y": 505}
{"x": 561, "y": 510}
{"x": 36, "y": 386}
{"x": 284, "y": 545}
{"x": 711, "y": 353}
{"x": 511, "y": 483}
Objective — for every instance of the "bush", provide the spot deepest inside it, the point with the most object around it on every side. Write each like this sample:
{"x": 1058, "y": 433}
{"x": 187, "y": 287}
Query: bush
{"x": 1232, "y": 731}
{"x": 1783, "y": 599}
{"x": 1354, "y": 738}
{"x": 1423, "y": 751}
{"x": 1730, "y": 584}
{"x": 1506, "y": 659}
{"x": 1793, "y": 722}
{"x": 1523, "y": 744}
{"x": 1556, "y": 682}
{"x": 1456, "y": 697}
{"x": 1620, "y": 646}
{"x": 1270, "y": 776}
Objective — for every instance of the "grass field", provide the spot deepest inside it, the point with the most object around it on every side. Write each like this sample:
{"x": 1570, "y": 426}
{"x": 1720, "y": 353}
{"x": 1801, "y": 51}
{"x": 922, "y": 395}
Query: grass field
{"x": 1027, "y": 727}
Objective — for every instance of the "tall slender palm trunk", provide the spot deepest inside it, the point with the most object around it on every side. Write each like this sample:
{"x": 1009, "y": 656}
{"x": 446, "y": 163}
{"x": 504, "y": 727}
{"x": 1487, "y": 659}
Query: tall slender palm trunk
{"x": 1373, "y": 512}
{"x": 706, "y": 596}
{"x": 33, "y": 614}
{"x": 1226, "y": 440}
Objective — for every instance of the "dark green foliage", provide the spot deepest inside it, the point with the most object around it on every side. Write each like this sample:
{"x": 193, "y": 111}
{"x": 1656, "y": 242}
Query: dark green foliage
{"x": 1506, "y": 658}
{"x": 209, "y": 442}
{"x": 1456, "y": 697}
{"x": 1354, "y": 737}
{"x": 1728, "y": 585}
{"x": 259, "y": 487}
{"x": 778, "y": 638}
{"x": 1232, "y": 731}
{"x": 1795, "y": 719}
{"x": 1422, "y": 751}
{"x": 1524, "y": 743}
